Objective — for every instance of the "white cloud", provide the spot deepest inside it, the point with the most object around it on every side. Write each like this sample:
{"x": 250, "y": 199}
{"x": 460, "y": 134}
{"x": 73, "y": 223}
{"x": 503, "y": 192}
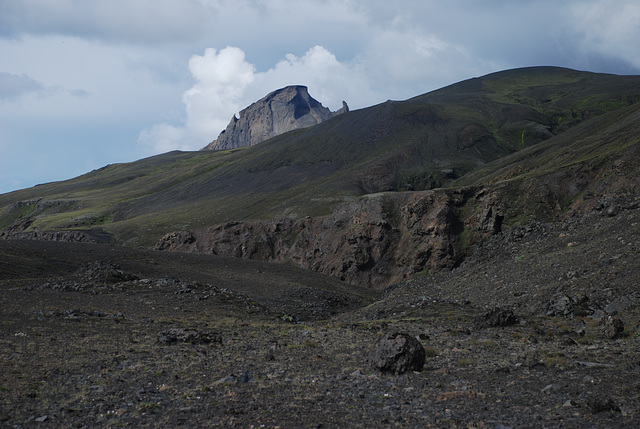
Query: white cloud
{"x": 221, "y": 80}
{"x": 165, "y": 138}
{"x": 226, "y": 83}
{"x": 608, "y": 29}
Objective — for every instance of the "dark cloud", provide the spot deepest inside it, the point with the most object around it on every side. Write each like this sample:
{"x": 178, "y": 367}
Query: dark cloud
{"x": 118, "y": 21}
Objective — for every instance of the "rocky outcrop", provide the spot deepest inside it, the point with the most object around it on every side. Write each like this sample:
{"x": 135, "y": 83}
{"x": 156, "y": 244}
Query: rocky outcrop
{"x": 283, "y": 110}
{"x": 376, "y": 241}
{"x": 93, "y": 235}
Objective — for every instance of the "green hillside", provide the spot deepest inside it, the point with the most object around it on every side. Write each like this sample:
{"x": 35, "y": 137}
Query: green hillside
{"x": 466, "y": 133}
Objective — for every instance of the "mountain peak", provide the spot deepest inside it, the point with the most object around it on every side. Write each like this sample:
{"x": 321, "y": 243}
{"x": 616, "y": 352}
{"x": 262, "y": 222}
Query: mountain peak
{"x": 282, "y": 110}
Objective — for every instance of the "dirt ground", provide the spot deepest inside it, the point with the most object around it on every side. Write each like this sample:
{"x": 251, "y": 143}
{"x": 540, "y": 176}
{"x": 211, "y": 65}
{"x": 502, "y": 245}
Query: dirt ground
{"x": 101, "y": 336}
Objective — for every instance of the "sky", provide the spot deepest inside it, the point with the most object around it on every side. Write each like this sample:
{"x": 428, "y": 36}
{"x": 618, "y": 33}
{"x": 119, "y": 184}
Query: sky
{"x": 86, "y": 83}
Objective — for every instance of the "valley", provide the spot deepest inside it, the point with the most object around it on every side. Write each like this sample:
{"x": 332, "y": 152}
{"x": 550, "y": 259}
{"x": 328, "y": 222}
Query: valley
{"x": 496, "y": 221}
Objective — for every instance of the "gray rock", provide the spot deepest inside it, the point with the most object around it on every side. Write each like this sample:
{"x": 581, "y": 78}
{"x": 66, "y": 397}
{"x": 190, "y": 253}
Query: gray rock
{"x": 397, "y": 353}
{"x": 621, "y": 303}
{"x": 246, "y": 377}
{"x": 281, "y": 111}
{"x": 570, "y": 306}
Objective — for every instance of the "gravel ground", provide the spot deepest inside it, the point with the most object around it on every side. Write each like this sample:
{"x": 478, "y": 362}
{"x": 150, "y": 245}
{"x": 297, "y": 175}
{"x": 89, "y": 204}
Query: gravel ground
{"x": 98, "y": 336}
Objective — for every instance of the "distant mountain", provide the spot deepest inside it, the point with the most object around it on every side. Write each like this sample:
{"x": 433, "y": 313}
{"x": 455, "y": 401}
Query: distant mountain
{"x": 374, "y": 195}
{"x": 283, "y": 110}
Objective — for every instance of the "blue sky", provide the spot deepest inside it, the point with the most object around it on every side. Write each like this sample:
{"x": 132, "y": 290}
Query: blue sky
{"x": 88, "y": 83}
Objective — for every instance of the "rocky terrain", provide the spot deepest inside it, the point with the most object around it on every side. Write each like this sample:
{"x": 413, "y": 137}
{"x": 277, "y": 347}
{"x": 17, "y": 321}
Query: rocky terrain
{"x": 100, "y": 336}
{"x": 283, "y": 110}
{"x": 467, "y": 258}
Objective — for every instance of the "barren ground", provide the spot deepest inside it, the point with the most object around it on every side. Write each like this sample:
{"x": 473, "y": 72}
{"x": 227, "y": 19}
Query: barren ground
{"x": 282, "y": 347}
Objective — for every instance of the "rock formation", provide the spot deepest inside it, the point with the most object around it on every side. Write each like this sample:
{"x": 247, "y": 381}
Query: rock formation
{"x": 282, "y": 110}
{"x": 376, "y": 241}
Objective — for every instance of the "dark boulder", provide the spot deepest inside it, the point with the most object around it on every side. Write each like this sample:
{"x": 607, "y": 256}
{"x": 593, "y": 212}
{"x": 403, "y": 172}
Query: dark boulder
{"x": 498, "y": 317}
{"x": 397, "y": 353}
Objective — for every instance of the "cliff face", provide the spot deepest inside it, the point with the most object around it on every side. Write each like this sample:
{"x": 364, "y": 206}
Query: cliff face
{"x": 283, "y": 110}
{"x": 382, "y": 239}
{"x": 376, "y": 241}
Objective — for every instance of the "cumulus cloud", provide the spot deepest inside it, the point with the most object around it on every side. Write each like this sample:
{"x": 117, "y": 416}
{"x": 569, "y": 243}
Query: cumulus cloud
{"x": 226, "y": 83}
{"x": 221, "y": 81}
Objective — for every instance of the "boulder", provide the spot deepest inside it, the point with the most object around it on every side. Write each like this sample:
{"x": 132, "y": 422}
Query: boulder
{"x": 397, "y": 353}
{"x": 498, "y": 317}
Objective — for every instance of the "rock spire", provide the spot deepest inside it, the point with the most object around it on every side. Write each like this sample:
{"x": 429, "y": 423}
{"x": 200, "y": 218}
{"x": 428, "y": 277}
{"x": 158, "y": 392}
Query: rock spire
{"x": 283, "y": 110}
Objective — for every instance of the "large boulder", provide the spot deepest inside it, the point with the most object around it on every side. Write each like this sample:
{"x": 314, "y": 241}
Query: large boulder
{"x": 397, "y": 353}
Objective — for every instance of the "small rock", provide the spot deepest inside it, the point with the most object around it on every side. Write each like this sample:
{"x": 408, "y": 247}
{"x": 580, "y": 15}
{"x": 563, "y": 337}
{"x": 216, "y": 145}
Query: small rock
{"x": 621, "y": 303}
{"x": 397, "y": 353}
{"x": 498, "y": 317}
{"x": 41, "y": 419}
{"x": 97, "y": 388}
{"x": 175, "y": 335}
{"x": 246, "y": 377}
{"x": 612, "y": 327}
{"x": 566, "y": 306}
{"x": 226, "y": 380}
{"x": 599, "y": 404}
{"x": 357, "y": 373}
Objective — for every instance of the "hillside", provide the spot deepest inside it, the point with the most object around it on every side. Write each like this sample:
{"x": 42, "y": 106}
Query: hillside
{"x": 494, "y": 222}
{"x": 103, "y": 336}
{"x": 378, "y": 193}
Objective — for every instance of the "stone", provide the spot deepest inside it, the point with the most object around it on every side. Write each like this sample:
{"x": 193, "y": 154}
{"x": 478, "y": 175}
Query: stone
{"x": 283, "y": 110}
{"x": 498, "y": 317}
{"x": 622, "y": 303}
{"x": 180, "y": 335}
{"x": 245, "y": 377}
{"x": 612, "y": 327}
{"x": 569, "y": 306}
{"x": 598, "y": 404}
{"x": 397, "y": 353}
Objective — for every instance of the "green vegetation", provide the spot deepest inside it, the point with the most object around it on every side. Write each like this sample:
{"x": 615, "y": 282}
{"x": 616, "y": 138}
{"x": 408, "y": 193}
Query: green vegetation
{"x": 480, "y": 129}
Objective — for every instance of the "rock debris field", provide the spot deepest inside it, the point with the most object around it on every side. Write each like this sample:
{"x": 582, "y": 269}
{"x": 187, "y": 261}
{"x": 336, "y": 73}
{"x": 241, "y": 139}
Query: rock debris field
{"x": 538, "y": 328}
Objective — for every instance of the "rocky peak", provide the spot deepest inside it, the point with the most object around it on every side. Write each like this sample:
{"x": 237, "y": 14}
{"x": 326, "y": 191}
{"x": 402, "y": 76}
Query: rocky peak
{"x": 283, "y": 110}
